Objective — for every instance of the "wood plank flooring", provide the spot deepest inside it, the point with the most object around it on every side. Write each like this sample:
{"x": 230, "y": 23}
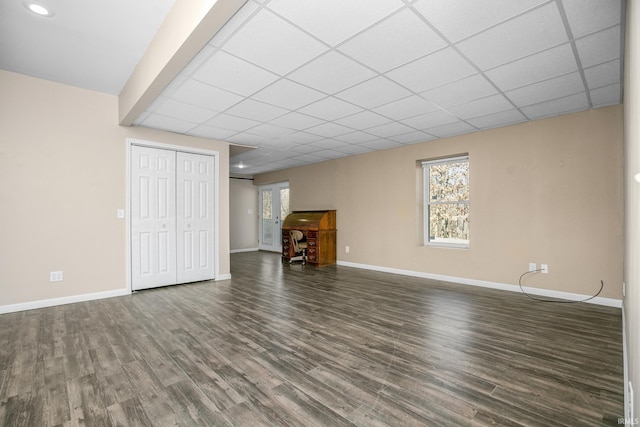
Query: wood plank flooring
{"x": 287, "y": 345}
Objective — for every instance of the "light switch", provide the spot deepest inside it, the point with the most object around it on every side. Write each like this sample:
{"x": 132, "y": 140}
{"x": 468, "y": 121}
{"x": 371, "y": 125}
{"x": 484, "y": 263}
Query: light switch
{"x": 120, "y": 213}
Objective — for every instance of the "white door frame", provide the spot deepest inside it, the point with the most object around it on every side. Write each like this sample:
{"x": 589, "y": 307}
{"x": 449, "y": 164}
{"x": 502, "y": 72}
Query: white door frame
{"x": 216, "y": 198}
{"x": 277, "y": 239}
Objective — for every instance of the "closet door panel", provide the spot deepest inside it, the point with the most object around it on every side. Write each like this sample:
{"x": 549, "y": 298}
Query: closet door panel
{"x": 195, "y": 225}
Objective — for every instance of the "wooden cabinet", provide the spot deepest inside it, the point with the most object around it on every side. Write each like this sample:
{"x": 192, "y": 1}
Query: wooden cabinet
{"x": 319, "y": 230}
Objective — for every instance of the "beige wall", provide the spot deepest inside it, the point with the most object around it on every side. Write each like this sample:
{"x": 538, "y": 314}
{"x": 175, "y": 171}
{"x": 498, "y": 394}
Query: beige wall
{"x": 548, "y": 191}
{"x": 632, "y": 197}
{"x": 243, "y": 216}
{"x": 63, "y": 177}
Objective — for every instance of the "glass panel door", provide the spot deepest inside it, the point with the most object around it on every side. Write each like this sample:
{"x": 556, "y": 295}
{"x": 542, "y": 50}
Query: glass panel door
{"x": 274, "y": 207}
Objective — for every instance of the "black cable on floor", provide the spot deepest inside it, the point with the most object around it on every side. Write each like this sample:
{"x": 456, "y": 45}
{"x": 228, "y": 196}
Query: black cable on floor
{"x": 554, "y": 301}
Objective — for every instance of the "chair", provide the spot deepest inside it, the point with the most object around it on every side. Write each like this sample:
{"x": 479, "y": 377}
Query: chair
{"x": 299, "y": 247}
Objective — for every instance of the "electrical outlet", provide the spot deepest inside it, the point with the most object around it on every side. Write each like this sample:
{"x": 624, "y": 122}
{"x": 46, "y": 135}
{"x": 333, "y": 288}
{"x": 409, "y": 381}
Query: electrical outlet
{"x": 346, "y": 249}
{"x": 532, "y": 266}
{"x": 55, "y": 276}
{"x": 544, "y": 268}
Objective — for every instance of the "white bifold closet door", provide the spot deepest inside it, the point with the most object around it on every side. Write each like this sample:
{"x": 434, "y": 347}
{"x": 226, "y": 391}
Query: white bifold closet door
{"x": 172, "y": 223}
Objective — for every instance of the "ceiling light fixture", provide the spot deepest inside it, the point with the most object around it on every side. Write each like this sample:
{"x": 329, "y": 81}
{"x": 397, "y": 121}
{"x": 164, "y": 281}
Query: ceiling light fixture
{"x": 637, "y": 177}
{"x": 38, "y": 8}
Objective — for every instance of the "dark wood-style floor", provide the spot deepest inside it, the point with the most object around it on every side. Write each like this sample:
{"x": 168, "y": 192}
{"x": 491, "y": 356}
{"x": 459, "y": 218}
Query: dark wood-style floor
{"x": 286, "y": 345}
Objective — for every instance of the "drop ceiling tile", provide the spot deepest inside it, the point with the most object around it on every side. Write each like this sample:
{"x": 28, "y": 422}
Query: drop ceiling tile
{"x": 568, "y": 104}
{"x": 182, "y": 111}
{"x": 270, "y": 131}
{"x": 329, "y": 130}
{"x": 503, "y": 118}
{"x": 226, "y": 121}
{"x": 287, "y": 94}
{"x": 535, "y": 68}
{"x": 295, "y": 120}
{"x": 330, "y": 109}
{"x": 354, "y": 149}
{"x": 331, "y": 73}
{"x": 202, "y": 95}
{"x": 588, "y": 16}
{"x": 390, "y": 129}
{"x": 309, "y": 158}
{"x": 233, "y": 24}
{"x": 558, "y": 87}
{"x": 429, "y": 120}
{"x": 380, "y": 144}
{"x": 325, "y": 144}
{"x": 461, "y": 91}
{"x": 363, "y": 120}
{"x": 451, "y": 129}
{"x": 345, "y": 18}
{"x": 301, "y": 138}
{"x": 356, "y": 137}
{"x": 256, "y": 110}
{"x": 211, "y": 132}
{"x": 414, "y": 137}
{"x": 432, "y": 71}
{"x": 329, "y": 154}
{"x": 170, "y": 124}
{"x": 273, "y": 43}
{"x": 410, "y": 106}
{"x": 599, "y": 47}
{"x": 233, "y": 74}
{"x": 530, "y": 33}
{"x": 603, "y": 74}
{"x": 374, "y": 92}
{"x": 481, "y": 107}
{"x": 607, "y": 95}
{"x": 305, "y": 148}
{"x": 393, "y": 42}
{"x": 249, "y": 139}
{"x": 458, "y": 19}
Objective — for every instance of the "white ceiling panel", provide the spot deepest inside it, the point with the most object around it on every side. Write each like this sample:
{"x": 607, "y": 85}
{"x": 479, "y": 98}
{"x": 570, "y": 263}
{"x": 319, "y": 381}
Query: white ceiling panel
{"x": 233, "y": 74}
{"x": 451, "y": 129}
{"x": 537, "y": 30}
{"x": 564, "y": 105}
{"x": 287, "y": 94}
{"x": 333, "y": 21}
{"x": 306, "y": 81}
{"x": 535, "y": 68}
{"x": 407, "y": 107}
{"x": 558, "y": 87}
{"x": 382, "y": 47}
{"x": 588, "y": 16}
{"x": 202, "y": 95}
{"x": 603, "y": 74}
{"x": 463, "y": 90}
{"x": 332, "y": 73}
{"x": 599, "y": 47}
{"x": 273, "y": 43}
{"x": 256, "y": 110}
{"x": 432, "y": 71}
{"x": 459, "y": 19}
{"x": 373, "y": 93}
{"x": 503, "y": 118}
{"x": 330, "y": 109}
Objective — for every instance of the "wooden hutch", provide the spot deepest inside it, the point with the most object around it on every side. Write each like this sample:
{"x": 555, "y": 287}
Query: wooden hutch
{"x": 319, "y": 230}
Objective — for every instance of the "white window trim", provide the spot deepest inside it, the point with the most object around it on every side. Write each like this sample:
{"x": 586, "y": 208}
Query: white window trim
{"x": 426, "y": 164}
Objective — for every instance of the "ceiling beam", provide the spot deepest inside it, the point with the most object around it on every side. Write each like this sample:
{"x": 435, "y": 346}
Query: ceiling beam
{"x": 186, "y": 30}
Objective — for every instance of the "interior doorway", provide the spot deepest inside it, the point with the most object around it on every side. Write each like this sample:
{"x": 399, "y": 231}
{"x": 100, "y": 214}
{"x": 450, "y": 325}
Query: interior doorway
{"x": 273, "y": 203}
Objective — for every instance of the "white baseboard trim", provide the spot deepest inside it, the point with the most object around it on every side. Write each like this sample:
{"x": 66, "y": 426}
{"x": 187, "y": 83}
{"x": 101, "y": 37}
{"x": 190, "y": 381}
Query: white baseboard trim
{"x": 234, "y": 251}
{"x": 61, "y": 301}
{"x": 609, "y": 302}
{"x": 223, "y": 277}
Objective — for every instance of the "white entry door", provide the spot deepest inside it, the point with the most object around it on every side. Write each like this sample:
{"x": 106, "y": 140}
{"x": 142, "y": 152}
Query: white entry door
{"x": 195, "y": 174}
{"x": 172, "y": 223}
{"x": 274, "y": 208}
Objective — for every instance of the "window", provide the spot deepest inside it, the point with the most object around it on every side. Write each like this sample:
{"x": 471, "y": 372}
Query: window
{"x": 446, "y": 201}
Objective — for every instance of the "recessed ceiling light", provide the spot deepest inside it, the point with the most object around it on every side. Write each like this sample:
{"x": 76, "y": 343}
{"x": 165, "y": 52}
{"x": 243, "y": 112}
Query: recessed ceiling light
{"x": 38, "y": 9}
